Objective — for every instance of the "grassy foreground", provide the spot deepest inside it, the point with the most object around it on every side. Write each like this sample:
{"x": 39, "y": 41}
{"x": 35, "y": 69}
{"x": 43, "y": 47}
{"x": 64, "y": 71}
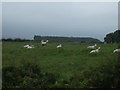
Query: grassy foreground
{"x": 70, "y": 67}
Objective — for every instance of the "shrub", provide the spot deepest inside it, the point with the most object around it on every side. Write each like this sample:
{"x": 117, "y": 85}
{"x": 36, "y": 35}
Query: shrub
{"x": 27, "y": 76}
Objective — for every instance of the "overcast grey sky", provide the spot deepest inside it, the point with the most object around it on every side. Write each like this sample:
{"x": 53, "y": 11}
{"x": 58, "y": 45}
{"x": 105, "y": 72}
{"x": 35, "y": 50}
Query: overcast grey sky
{"x": 83, "y": 19}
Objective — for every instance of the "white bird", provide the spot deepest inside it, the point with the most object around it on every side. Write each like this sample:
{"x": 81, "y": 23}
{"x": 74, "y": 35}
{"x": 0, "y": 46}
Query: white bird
{"x": 28, "y": 46}
{"x": 95, "y": 51}
{"x": 47, "y": 41}
{"x": 59, "y": 46}
{"x": 116, "y": 51}
{"x": 92, "y": 47}
{"x": 43, "y": 43}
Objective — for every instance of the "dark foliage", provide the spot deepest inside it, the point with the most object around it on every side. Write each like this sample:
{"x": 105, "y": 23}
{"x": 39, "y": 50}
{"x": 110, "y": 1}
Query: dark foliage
{"x": 73, "y": 39}
{"x": 29, "y": 75}
{"x": 15, "y": 40}
{"x": 26, "y": 76}
{"x": 113, "y": 37}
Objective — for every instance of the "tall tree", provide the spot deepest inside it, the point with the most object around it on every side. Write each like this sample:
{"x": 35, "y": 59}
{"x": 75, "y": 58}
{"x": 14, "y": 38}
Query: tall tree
{"x": 113, "y": 37}
{"x": 109, "y": 38}
{"x": 117, "y": 36}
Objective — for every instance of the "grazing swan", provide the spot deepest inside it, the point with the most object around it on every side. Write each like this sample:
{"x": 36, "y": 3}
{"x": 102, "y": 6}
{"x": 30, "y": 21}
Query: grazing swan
{"x": 29, "y": 46}
{"x": 43, "y": 43}
{"x": 95, "y": 51}
{"x": 92, "y": 47}
{"x": 59, "y": 46}
{"x": 116, "y": 51}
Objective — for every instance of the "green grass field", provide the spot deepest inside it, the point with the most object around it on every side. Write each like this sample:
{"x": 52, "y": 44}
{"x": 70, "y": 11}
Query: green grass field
{"x": 71, "y": 63}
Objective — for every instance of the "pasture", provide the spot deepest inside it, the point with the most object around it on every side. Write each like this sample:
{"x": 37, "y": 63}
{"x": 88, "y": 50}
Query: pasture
{"x": 72, "y": 64}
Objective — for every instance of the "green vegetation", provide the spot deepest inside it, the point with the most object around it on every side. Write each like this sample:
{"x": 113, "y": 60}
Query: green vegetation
{"x": 16, "y": 40}
{"x": 0, "y": 64}
{"x": 113, "y": 37}
{"x": 64, "y": 39}
{"x": 69, "y": 67}
{"x": 0, "y": 54}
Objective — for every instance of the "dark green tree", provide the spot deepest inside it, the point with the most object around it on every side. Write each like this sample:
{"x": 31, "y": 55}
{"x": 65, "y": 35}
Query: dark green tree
{"x": 17, "y": 39}
{"x": 109, "y": 38}
{"x": 113, "y": 37}
{"x": 117, "y": 36}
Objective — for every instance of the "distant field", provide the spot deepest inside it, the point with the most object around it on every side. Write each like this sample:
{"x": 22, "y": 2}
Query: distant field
{"x": 70, "y": 61}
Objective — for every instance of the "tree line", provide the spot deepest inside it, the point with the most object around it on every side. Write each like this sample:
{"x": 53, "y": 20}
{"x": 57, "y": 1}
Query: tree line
{"x": 15, "y": 40}
{"x": 113, "y": 37}
{"x": 69, "y": 39}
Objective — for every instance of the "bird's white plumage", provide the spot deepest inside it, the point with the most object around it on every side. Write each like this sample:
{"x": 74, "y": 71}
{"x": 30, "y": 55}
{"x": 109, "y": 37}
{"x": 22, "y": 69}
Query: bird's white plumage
{"x": 92, "y": 47}
{"x": 43, "y": 43}
{"x": 59, "y": 46}
{"x": 29, "y": 46}
{"x": 116, "y": 50}
{"x": 95, "y": 51}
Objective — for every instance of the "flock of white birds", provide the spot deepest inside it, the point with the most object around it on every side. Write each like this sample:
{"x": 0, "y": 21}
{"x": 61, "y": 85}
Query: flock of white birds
{"x": 98, "y": 49}
{"x": 95, "y": 50}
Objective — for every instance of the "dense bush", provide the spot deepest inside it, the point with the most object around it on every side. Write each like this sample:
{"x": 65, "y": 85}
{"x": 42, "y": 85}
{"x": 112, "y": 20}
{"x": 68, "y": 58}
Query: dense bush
{"x": 113, "y": 37}
{"x": 30, "y": 76}
{"x": 103, "y": 76}
{"x": 26, "y": 76}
